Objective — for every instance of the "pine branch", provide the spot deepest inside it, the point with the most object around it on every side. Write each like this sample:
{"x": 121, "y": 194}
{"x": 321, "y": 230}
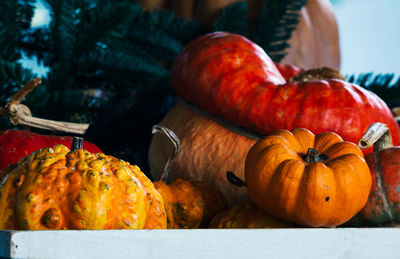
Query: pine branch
{"x": 105, "y": 23}
{"x": 36, "y": 43}
{"x": 275, "y": 24}
{"x": 184, "y": 30}
{"x": 14, "y": 72}
{"x": 63, "y": 30}
{"x": 115, "y": 61}
{"x": 154, "y": 40}
{"x": 14, "y": 20}
{"x": 383, "y": 85}
{"x": 233, "y": 18}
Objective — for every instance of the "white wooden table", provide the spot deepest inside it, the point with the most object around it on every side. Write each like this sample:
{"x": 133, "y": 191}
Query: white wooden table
{"x": 203, "y": 243}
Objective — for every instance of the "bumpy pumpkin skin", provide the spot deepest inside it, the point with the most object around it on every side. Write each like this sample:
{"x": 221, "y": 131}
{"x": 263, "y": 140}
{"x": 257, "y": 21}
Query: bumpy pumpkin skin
{"x": 383, "y": 206}
{"x": 214, "y": 201}
{"x": 16, "y": 144}
{"x": 316, "y": 194}
{"x": 189, "y": 204}
{"x": 208, "y": 151}
{"x": 246, "y": 215}
{"x": 61, "y": 189}
{"x": 229, "y": 76}
{"x": 183, "y": 204}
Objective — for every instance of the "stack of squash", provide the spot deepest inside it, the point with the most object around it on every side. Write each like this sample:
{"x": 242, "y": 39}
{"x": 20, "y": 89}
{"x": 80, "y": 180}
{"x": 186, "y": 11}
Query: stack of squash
{"x": 289, "y": 133}
{"x": 232, "y": 96}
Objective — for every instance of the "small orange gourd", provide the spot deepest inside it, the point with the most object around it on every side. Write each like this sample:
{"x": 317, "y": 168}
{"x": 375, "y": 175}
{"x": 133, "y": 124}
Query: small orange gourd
{"x": 311, "y": 180}
{"x": 246, "y": 215}
{"x": 188, "y": 204}
{"x": 57, "y": 188}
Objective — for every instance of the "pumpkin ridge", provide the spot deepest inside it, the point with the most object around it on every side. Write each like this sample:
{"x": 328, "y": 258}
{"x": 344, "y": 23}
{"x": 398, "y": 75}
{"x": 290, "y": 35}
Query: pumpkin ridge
{"x": 383, "y": 193}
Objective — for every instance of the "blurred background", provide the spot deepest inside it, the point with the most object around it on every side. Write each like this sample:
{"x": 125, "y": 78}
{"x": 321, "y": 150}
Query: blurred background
{"x": 366, "y": 33}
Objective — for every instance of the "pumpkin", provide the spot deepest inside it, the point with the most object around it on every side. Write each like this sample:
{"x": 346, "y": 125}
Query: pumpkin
{"x": 314, "y": 43}
{"x": 311, "y": 180}
{"x": 237, "y": 88}
{"x": 227, "y": 75}
{"x": 383, "y": 206}
{"x": 55, "y": 188}
{"x": 246, "y": 215}
{"x": 188, "y": 204}
{"x": 16, "y": 144}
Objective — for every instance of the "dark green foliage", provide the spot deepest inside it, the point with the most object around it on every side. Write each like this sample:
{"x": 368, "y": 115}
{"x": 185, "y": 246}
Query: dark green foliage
{"x": 275, "y": 24}
{"x": 234, "y": 18}
{"x": 14, "y": 20}
{"x": 384, "y": 85}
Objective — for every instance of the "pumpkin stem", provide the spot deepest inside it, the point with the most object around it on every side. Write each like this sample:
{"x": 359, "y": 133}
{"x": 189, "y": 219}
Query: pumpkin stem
{"x": 176, "y": 143}
{"x": 21, "y": 114}
{"x": 233, "y": 179}
{"x": 77, "y": 143}
{"x": 377, "y": 134}
{"x": 317, "y": 74}
{"x": 396, "y": 113}
{"x": 313, "y": 156}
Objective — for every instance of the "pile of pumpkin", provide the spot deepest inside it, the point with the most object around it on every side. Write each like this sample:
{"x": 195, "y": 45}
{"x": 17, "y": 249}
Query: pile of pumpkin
{"x": 232, "y": 122}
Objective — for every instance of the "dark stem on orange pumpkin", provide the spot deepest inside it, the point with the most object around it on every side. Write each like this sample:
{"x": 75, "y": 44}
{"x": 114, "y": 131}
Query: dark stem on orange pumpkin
{"x": 317, "y": 74}
{"x": 77, "y": 143}
{"x": 313, "y": 156}
{"x": 377, "y": 134}
{"x": 233, "y": 179}
{"x": 176, "y": 143}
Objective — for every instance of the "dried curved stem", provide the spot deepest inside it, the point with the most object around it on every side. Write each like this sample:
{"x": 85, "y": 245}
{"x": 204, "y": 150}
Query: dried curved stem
{"x": 21, "y": 114}
{"x": 378, "y": 134}
{"x": 176, "y": 143}
{"x": 24, "y": 91}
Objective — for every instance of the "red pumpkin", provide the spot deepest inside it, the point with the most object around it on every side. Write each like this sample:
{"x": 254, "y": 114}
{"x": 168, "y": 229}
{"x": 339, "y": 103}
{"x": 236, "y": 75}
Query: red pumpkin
{"x": 383, "y": 206}
{"x": 16, "y": 144}
{"x": 228, "y": 75}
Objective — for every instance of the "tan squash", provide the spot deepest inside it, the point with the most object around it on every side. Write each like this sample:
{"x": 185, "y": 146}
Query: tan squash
{"x": 188, "y": 204}
{"x": 204, "y": 157}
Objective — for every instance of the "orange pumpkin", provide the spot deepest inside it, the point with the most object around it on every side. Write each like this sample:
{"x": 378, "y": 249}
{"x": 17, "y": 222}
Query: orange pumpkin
{"x": 314, "y": 43}
{"x": 246, "y": 215}
{"x": 55, "y": 188}
{"x": 188, "y": 204}
{"x": 311, "y": 180}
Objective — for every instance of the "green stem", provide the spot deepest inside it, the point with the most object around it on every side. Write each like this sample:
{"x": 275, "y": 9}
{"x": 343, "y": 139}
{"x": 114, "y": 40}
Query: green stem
{"x": 313, "y": 156}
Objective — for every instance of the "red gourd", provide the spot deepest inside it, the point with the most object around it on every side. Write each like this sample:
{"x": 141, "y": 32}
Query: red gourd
{"x": 16, "y": 144}
{"x": 228, "y": 75}
{"x": 383, "y": 206}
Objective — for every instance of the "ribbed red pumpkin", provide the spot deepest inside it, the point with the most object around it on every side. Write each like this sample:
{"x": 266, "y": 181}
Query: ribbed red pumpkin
{"x": 228, "y": 75}
{"x": 16, "y": 144}
{"x": 383, "y": 206}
